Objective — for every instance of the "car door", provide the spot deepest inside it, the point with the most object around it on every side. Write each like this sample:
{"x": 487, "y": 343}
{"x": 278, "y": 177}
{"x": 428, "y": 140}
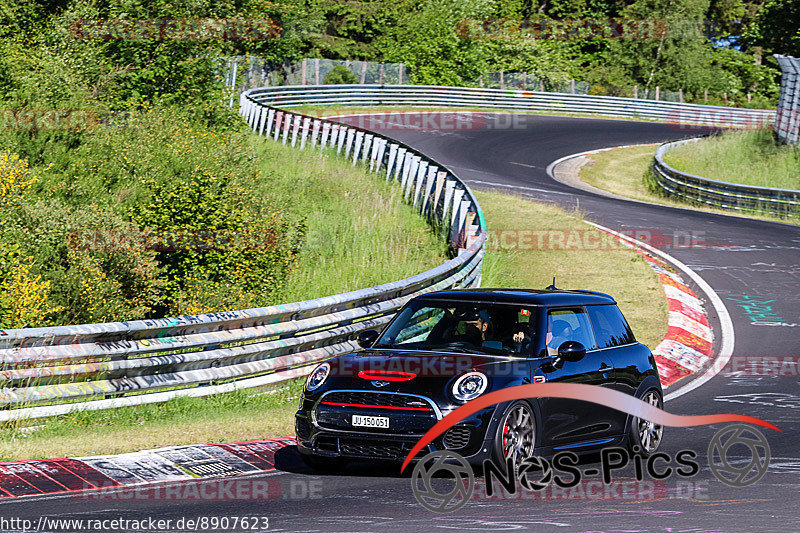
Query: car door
{"x": 569, "y": 422}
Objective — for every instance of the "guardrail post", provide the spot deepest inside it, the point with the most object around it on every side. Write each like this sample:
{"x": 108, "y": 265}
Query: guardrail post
{"x": 267, "y": 124}
{"x": 315, "y": 132}
{"x": 252, "y": 120}
{"x": 304, "y": 134}
{"x": 402, "y": 153}
{"x": 344, "y": 131}
{"x": 412, "y": 174}
{"x": 423, "y": 169}
{"x": 287, "y": 121}
{"x": 455, "y": 217}
{"x": 279, "y": 118}
{"x": 429, "y": 181}
{"x": 326, "y": 130}
{"x": 449, "y": 190}
{"x": 351, "y": 134}
{"x": 390, "y": 160}
{"x": 365, "y": 153}
{"x": 296, "y": 128}
{"x": 357, "y": 150}
{"x": 441, "y": 178}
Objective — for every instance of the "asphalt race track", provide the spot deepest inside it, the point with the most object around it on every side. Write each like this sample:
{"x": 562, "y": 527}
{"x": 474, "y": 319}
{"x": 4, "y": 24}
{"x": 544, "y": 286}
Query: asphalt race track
{"x": 753, "y": 266}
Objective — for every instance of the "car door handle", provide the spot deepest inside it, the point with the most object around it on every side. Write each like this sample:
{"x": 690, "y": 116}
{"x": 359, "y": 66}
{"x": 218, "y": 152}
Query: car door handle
{"x": 605, "y": 370}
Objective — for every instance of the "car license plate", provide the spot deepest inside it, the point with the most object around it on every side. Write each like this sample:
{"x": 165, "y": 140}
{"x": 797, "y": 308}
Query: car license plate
{"x": 370, "y": 421}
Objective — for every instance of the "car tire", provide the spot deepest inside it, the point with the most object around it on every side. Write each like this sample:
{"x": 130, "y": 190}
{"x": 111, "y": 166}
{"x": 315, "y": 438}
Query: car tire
{"x": 645, "y": 437}
{"x": 515, "y": 435}
{"x": 323, "y": 464}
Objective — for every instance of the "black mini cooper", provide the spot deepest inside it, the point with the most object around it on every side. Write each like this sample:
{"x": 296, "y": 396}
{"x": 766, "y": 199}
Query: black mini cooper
{"x": 446, "y": 348}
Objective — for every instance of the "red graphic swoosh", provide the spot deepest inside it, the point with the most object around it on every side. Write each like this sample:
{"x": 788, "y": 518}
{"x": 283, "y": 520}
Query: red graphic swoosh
{"x": 574, "y": 391}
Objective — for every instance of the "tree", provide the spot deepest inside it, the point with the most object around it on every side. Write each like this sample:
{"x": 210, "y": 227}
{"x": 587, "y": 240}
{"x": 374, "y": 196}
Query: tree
{"x": 777, "y": 28}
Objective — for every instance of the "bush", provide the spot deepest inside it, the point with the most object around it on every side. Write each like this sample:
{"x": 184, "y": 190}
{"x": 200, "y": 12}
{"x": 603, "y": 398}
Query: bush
{"x": 340, "y": 75}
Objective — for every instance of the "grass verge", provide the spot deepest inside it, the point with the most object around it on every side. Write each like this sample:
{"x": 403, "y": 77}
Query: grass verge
{"x": 625, "y": 171}
{"x": 359, "y": 232}
{"x": 248, "y": 415}
{"x": 748, "y": 157}
{"x": 232, "y": 417}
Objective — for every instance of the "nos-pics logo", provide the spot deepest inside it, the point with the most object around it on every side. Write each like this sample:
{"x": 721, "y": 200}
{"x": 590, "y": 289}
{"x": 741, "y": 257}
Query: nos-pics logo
{"x": 443, "y": 481}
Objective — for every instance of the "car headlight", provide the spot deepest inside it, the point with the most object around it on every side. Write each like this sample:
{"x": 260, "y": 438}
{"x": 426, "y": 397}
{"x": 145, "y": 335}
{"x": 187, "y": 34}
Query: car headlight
{"x": 470, "y": 386}
{"x": 318, "y": 376}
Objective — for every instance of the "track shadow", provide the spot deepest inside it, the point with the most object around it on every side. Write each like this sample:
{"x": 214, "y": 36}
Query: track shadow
{"x": 288, "y": 459}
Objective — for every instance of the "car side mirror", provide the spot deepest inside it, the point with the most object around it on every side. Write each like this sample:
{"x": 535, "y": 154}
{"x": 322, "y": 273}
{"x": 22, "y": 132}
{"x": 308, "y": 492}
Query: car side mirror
{"x": 571, "y": 351}
{"x": 367, "y": 338}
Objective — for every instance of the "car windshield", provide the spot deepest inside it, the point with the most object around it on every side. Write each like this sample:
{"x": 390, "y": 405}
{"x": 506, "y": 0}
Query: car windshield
{"x": 465, "y": 327}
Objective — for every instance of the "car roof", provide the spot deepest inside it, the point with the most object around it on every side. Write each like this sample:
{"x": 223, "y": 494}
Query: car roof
{"x": 557, "y": 297}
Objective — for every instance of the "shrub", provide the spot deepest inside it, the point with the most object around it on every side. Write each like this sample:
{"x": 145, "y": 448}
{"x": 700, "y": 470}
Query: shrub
{"x": 340, "y": 75}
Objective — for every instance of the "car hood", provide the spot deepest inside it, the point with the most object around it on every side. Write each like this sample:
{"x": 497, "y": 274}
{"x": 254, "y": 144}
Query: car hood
{"x": 407, "y": 365}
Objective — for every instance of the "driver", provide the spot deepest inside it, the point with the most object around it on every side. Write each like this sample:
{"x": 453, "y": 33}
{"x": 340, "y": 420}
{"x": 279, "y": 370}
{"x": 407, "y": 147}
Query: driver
{"x": 477, "y": 325}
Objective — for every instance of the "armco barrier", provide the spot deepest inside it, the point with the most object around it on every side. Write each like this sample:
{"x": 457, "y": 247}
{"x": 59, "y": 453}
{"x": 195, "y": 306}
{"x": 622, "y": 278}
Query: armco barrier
{"x": 50, "y": 371}
{"x": 465, "y": 97}
{"x": 734, "y": 196}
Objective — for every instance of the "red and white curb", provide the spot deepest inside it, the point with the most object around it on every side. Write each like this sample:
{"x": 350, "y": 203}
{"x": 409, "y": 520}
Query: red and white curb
{"x": 688, "y": 346}
{"x": 111, "y": 473}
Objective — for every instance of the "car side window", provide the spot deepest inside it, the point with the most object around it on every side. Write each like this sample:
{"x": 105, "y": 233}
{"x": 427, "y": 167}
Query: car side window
{"x": 568, "y": 325}
{"x": 610, "y": 327}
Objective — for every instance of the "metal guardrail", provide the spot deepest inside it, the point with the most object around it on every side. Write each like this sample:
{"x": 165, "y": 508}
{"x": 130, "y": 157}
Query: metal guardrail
{"x": 465, "y": 97}
{"x": 722, "y": 194}
{"x": 787, "y": 123}
{"x": 54, "y": 370}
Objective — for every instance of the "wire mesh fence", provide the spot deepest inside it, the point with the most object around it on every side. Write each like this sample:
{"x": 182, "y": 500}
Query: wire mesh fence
{"x": 787, "y": 122}
{"x": 248, "y": 72}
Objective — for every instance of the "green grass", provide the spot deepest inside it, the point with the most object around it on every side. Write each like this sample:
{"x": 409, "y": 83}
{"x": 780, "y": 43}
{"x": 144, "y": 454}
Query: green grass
{"x": 626, "y": 171}
{"x": 232, "y": 417}
{"x": 748, "y": 157}
{"x": 360, "y": 233}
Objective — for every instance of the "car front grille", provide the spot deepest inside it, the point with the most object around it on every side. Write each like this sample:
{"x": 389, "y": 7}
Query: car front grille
{"x": 376, "y": 449}
{"x": 377, "y": 399}
{"x": 456, "y": 438}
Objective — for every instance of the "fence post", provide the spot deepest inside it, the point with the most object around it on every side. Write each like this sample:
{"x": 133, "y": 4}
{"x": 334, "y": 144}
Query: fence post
{"x": 680, "y": 95}
{"x": 400, "y": 74}
{"x": 380, "y": 75}
{"x": 364, "y": 73}
{"x": 316, "y": 70}
{"x": 502, "y": 84}
{"x": 572, "y": 86}
{"x": 303, "y": 76}
{"x": 635, "y": 92}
